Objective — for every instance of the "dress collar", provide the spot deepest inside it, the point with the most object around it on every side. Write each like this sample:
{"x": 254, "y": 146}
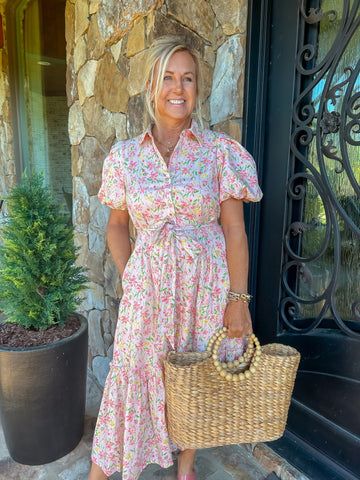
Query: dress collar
{"x": 195, "y": 130}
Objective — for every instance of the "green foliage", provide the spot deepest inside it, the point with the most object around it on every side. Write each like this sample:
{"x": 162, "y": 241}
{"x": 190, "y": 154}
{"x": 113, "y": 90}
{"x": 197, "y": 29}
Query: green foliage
{"x": 39, "y": 281}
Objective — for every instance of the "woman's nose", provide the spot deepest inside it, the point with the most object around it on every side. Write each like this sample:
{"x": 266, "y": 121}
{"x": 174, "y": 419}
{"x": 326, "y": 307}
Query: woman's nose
{"x": 178, "y": 87}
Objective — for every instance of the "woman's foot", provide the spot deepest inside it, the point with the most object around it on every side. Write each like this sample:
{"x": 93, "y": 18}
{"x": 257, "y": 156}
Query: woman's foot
{"x": 191, "y": 476}
{"x": 96, "y": 473}
{"x": 186, "y": 460}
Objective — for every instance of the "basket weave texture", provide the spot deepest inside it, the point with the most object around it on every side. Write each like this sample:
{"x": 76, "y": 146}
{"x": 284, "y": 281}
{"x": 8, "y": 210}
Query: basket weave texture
{"x": 206, "y": 410}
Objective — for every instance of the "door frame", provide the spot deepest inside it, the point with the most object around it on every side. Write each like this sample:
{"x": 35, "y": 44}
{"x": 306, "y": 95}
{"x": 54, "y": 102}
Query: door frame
{"x": 260, "y": 89}
{"x": 10, "y": 14}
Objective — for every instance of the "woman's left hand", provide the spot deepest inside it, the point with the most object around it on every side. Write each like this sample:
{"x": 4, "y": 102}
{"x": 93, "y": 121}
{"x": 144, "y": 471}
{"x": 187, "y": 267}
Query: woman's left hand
{"x": 237, "y": 319}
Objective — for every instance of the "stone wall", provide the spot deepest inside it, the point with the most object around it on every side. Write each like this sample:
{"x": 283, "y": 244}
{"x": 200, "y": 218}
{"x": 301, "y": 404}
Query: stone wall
{"x": 106, "y": 44}
{"x": 7, "y": 165}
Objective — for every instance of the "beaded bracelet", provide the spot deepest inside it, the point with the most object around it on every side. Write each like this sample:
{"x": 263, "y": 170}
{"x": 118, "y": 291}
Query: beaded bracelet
{"x": 235, "y": 297}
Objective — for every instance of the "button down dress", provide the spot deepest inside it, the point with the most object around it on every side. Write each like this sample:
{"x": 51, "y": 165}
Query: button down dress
{"x": 175, "y": 283}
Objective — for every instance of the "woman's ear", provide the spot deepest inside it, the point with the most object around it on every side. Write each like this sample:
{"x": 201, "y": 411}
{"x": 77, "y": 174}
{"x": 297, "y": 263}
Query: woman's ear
{"x": 149, "y": 91}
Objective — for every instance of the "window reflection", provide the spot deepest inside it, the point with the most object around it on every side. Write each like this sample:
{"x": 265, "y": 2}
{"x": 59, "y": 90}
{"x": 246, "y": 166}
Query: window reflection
{"x": 40, "y": 32}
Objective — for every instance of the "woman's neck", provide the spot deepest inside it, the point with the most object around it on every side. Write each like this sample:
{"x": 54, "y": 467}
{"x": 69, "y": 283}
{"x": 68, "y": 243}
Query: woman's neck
{"x": 166, "y": 134}
{"x": 166, "y": 138}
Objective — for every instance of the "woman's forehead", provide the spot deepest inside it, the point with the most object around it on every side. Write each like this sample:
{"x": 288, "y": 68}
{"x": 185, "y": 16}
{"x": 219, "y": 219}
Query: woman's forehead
{"x": 179, "y": 61}
{"x": 182, "y": 57}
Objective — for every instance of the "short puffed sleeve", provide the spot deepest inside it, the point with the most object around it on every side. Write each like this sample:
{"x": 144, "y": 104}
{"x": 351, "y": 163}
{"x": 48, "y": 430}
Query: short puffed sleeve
{"x": 237, "y": 171}
{"x": 112, "y": 190}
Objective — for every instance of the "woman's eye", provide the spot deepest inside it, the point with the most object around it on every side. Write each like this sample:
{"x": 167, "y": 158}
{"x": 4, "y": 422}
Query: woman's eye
{"x": 167, "y": 77}
{"x": 188, "y": 79}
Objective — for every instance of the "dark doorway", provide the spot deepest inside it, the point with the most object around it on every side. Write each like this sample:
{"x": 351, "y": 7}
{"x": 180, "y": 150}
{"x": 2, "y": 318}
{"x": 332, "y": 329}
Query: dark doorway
{"x": 303, "y": 127}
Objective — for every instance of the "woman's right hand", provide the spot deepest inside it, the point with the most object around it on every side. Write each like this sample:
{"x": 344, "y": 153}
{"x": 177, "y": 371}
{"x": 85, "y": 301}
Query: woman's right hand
{"x": 237, "y": 319}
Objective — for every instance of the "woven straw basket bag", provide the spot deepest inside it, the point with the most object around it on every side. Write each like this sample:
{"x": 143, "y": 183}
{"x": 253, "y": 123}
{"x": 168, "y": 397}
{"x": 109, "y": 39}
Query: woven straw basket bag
{"x": 210, "y": 404}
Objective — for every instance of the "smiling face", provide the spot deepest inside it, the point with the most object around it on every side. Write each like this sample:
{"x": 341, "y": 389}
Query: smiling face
{"x": 177, "y": 97}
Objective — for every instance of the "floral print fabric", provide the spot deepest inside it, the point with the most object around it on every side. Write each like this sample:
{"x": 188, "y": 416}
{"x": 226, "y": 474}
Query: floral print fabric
{"x": 174, "y": 285}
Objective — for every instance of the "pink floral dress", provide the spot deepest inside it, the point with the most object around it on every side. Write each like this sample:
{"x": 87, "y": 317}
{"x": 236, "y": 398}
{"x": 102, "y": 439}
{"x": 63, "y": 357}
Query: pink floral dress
{"x": 174, "y": 285}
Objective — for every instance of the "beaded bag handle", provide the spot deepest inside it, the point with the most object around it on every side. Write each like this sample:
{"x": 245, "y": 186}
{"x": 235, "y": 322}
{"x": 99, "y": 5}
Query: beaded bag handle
{"x": 239, "y": 369}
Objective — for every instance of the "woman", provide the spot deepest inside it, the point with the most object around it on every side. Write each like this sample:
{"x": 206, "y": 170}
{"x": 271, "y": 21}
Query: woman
{"x": 175, "y": 181}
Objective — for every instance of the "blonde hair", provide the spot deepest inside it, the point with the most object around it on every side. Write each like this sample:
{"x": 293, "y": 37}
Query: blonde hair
{"x": 160, "y": 51}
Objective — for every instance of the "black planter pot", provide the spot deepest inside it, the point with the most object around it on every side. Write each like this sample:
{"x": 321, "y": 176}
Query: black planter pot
{"x": 42, "y": 398}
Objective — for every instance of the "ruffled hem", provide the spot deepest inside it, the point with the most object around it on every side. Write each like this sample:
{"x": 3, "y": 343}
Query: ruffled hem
{"x": 131, "y": 428}
{"x": 108, "y": 473}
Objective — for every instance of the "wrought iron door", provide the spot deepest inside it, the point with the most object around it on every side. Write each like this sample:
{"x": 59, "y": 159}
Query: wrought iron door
{"x": 306, "y": 137}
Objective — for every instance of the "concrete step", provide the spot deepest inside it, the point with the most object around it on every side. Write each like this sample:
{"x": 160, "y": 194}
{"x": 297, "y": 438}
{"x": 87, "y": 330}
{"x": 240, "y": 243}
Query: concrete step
{"x": 233, "y": 462}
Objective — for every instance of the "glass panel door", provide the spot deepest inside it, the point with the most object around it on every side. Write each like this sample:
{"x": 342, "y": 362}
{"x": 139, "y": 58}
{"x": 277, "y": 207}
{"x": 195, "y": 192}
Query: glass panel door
{"x": 322, "y": 272}
{"x": 43, "y": 111}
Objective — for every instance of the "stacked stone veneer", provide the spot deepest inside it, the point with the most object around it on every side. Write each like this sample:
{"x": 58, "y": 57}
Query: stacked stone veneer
{"x": 7, "y": 164}
{"x": 106, "y": 45}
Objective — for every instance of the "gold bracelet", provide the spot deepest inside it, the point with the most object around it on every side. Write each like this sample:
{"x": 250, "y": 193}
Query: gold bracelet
{"x": 235, "y": 297}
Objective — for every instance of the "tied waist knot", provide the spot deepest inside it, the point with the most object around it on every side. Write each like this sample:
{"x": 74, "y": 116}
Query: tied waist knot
{"x": 185, "y": 235}
{"x": 173, "y": 238}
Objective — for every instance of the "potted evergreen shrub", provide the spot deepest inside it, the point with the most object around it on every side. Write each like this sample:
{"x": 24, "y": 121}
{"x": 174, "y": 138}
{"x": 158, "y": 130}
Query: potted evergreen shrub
{"x": 43, "y": 343}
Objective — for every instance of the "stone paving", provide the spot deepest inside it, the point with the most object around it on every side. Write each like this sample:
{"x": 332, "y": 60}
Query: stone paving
{"x": 234, "y": 462}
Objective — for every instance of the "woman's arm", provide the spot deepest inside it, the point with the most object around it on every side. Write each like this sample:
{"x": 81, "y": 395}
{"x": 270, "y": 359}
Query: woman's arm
{"x": 237, "y": 315}
{"x": 118, "y": 238}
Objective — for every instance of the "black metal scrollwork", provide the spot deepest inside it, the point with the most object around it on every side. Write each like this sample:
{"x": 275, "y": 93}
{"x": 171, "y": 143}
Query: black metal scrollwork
{"x": 326, "y": 128}
{"x": 330, "y": 122}
{"x": 316, "y": 14}
{"x": 352, "y": 128}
